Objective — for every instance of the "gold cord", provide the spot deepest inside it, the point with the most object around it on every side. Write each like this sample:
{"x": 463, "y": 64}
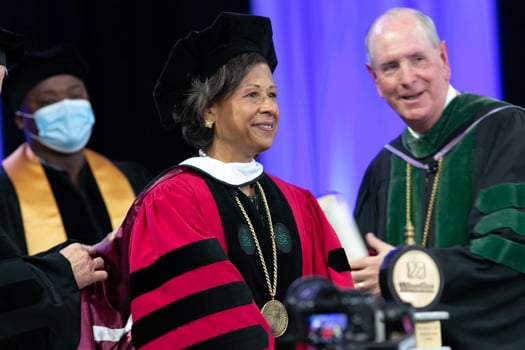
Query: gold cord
{"x": 272, "y": 287}
{"x": 431, "y": 202}
{"x": 409, "y": 227}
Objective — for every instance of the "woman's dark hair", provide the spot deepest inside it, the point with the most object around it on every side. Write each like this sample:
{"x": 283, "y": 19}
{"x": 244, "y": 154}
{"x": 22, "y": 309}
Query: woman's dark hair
{"x": 203, "y": 94}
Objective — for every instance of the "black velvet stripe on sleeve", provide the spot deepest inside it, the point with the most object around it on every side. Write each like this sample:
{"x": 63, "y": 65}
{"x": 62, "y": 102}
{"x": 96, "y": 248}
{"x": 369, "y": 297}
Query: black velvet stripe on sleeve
{"x": 337, "y": 260}
{"x": 175, "y": 263}
{"x": 34, "y": 339}
{"x": 20, "y": 294}
{"x": 189, "y": 309}
{"x": 20, "y": 286}
{"x": 254, "y": 337}
{"x": 7, "y": 248}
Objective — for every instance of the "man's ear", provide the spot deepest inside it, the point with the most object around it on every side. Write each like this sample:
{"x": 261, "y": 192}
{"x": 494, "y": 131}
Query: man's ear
{"x": 19, "y": 122}
{"x": 371, "y": 71}
{"x": 374, "y": 76}
{"x": 443, "y": 54}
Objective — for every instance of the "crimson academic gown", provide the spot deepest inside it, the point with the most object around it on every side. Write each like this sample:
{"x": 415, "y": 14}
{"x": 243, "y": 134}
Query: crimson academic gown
{"x": 196, "y": 279}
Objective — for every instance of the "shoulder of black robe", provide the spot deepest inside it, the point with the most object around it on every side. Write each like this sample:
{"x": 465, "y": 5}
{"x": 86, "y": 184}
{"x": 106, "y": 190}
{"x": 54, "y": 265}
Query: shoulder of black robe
{"x": 370, "y": 205}
{"x": 39, "y": 301}
{"x": 11, "y": 46}
{"x": 485, "y": 298}
{"x": 10, "y": 215}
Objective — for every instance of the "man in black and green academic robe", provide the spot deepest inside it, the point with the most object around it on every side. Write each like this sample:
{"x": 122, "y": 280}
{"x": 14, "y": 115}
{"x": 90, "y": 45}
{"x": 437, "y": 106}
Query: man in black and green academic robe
{"x": 457, "y": 172}
{"x": 475, "y": 232}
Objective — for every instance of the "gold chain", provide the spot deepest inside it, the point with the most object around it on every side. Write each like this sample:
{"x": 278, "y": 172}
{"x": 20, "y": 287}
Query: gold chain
{"x": 431, "y": 202}
{"x": 272, "y": 287}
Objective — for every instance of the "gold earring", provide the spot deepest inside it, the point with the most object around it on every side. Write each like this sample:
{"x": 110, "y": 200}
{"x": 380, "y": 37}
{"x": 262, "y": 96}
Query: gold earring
{"x": 208, "y": 123}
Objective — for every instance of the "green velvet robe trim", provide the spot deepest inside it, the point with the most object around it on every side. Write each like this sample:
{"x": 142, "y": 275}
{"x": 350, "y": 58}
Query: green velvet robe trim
{"x": 506, "y": 218}
{"x": 500, "y": 250}
{"x": 457, "y": 195}
{"x": 454, "y": 195}
{"x": 507, "y": 195}
{"x": 396, "y": 219}
{"x": 462, "y": 108}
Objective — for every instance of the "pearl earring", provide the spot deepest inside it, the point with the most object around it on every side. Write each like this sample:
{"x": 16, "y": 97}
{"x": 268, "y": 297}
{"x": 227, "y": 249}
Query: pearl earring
{"x": 208, "y": 123}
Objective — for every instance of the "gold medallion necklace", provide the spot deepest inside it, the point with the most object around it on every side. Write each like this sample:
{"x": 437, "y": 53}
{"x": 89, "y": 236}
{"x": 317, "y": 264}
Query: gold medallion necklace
{"x": 273, "y": 310}
{"x": 409, "y": 228}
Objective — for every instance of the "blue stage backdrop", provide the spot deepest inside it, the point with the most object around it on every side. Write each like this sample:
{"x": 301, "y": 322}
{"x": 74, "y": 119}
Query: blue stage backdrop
{"x": 332, "y": 121}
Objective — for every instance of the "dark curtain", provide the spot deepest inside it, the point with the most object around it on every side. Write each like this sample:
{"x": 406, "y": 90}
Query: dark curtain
{"x": 126, "y": 44}
{"x": 512, "y": 32}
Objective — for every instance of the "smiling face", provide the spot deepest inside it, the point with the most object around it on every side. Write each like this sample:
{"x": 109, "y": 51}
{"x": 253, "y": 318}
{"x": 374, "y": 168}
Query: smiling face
{"x": 246, "y": 120}
{"x": 409, "y": 72}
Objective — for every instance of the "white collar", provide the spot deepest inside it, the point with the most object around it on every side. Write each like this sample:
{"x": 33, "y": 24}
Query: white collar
{"x": 451, "y": 93}
{"x": 235, "y": 174}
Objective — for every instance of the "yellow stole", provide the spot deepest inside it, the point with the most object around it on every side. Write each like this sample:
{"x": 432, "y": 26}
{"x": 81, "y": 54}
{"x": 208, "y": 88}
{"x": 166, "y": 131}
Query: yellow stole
{"x": 41, "y": 218}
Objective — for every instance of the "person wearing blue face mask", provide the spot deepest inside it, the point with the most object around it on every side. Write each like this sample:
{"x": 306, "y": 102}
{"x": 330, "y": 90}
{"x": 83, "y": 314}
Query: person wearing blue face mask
{"x": 40, "y": 295}
{"x": 64, "y": 126}
{"x": 53, "y": 188}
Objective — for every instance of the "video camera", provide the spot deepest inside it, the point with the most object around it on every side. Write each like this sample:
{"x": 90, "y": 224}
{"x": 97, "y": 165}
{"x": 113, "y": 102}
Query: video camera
{"x": 324, "y": 317}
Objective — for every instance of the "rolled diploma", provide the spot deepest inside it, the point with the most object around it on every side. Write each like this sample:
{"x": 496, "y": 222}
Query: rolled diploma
{"x": 340, "y": 217}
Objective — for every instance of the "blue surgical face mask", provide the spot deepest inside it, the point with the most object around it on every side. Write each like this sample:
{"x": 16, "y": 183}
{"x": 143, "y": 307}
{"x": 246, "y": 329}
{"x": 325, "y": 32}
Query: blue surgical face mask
{"x": 64, "y": 126}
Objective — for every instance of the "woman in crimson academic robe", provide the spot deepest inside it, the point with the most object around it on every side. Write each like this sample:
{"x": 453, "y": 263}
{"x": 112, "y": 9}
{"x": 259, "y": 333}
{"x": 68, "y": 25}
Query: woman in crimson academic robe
{"x": 215, "y": 242}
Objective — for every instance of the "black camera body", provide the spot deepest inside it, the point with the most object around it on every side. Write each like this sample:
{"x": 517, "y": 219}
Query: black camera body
{"x": 324, "y": 317}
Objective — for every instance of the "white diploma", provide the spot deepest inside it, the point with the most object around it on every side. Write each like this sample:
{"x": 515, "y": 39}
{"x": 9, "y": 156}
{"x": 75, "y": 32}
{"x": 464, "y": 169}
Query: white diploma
{"x": 340, "y": 217}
